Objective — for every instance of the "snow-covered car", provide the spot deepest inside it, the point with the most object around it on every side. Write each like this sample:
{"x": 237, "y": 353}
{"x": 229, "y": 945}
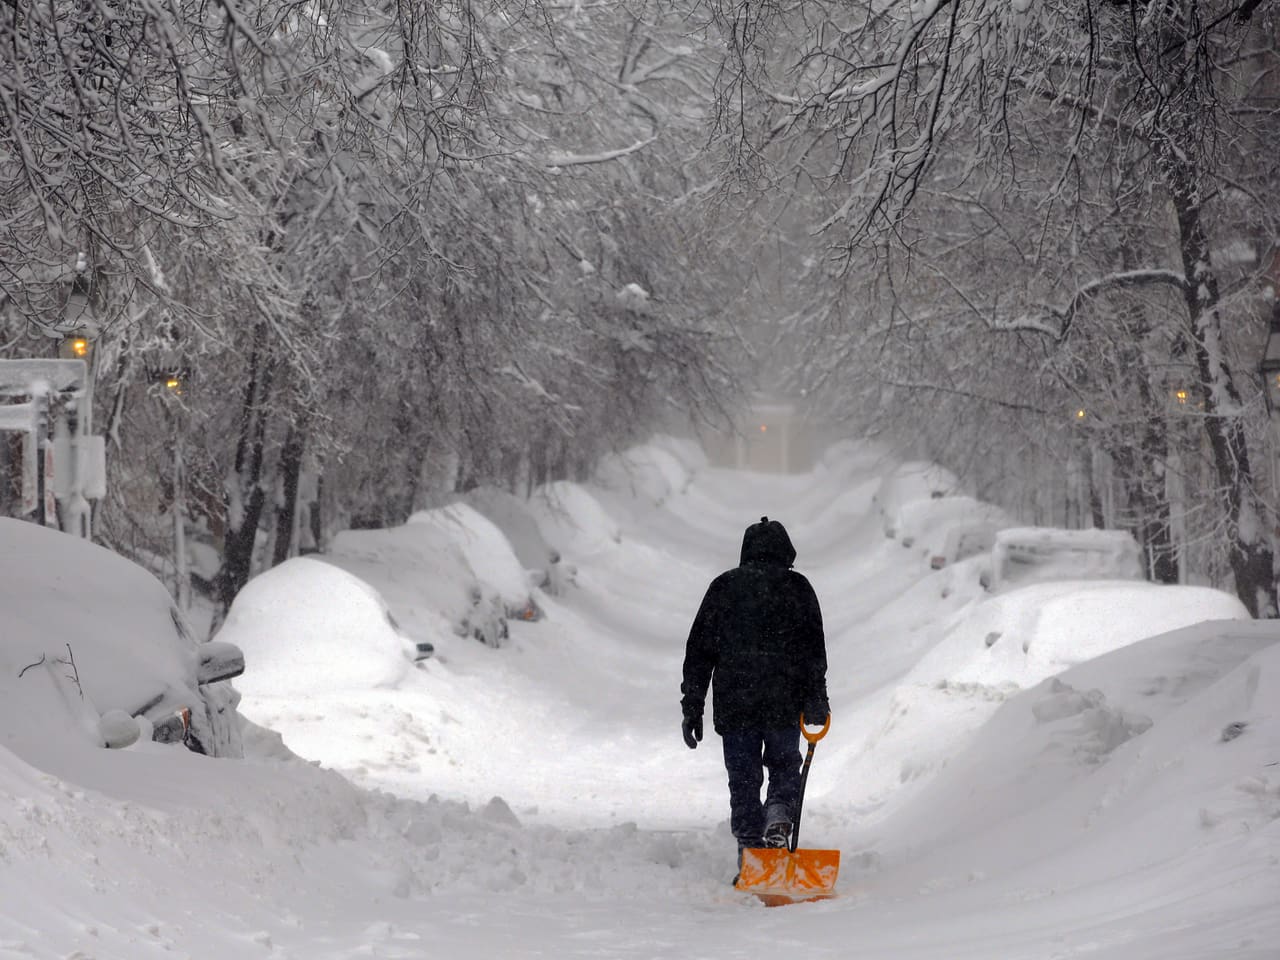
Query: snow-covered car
{"x": 1024, "y": 555}
{"x": 93, "y": 642}
{"x": 489, "y": 554}
{"x": 543, "y": 564}
{"x": 913, "y": 480}
{"x": 647, "y": 473}
{"x": 422, "y": 573}
{"x": 948, "y": 529}
{"x": 307, "y": 624}
{"x": 569, "y": 514}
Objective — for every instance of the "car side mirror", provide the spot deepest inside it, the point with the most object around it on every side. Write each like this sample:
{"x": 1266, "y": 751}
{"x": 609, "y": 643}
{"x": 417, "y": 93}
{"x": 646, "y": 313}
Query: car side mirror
{"x": 219, "y": 660}
{"x": 118, "y": 730}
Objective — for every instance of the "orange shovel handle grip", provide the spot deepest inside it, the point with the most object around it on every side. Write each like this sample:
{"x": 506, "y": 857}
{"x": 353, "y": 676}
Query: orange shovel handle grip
{"x": 815, "y": 737}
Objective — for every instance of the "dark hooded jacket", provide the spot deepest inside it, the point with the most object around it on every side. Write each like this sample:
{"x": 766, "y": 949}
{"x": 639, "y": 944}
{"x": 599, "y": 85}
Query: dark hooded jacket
{"x": 757, "y": 640}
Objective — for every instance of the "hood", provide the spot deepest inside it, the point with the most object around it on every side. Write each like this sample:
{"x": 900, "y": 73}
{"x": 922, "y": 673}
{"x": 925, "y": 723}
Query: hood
{"x": 767, "y": 542}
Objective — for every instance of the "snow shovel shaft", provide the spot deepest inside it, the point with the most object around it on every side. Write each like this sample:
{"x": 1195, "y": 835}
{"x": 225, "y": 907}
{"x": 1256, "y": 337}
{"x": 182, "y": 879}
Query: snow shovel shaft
{"x": 813, "y": 739}
{"x": 786, "y": 874}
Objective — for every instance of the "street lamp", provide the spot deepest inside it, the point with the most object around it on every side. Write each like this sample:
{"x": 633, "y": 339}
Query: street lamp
{"x": 173, "y": 379}
{"x": 77, "y": 346}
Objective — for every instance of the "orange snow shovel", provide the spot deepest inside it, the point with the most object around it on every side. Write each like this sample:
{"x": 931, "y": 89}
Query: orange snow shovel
{"x": 784, "y": 874}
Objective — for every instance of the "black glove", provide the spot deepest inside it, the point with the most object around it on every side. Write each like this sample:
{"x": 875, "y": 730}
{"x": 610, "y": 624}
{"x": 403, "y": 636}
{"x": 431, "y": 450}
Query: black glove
{"x": 816, "y": 710}
{"x": 692, "y": 730}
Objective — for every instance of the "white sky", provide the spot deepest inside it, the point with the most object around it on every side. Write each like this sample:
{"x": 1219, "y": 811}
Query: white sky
{"x": 1063, "y": 790}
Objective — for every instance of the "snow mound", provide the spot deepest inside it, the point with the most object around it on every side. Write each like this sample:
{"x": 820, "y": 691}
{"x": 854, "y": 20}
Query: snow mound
{"x": 689, "y": 452}
{"x": 308, "y": 627}
{"x": 1023, "y": 636}
{"x": 978, "y": 656}
{"x": 1155, "y": 752}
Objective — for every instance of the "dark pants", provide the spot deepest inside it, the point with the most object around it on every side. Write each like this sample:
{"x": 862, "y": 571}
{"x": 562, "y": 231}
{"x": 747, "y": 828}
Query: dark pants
{"x": 746, "y": 756}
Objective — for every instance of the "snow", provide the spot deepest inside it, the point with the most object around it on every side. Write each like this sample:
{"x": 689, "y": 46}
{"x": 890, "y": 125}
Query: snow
{"x": 1098, "y": 780}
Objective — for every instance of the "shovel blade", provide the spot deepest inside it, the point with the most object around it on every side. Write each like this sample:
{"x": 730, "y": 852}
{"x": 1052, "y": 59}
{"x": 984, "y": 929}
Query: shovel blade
{"x": 783, "y": 876}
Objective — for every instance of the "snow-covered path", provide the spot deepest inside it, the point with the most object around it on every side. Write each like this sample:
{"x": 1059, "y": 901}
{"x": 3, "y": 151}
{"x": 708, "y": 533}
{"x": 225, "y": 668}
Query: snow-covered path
{"x": 537, "y": 800}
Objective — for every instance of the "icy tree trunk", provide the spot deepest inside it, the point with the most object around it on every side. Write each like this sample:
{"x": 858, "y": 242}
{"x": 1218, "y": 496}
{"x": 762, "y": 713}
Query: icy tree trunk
{"x": 287, "y": 513}
{"x": 244, "y": 487}
{"x": 1249, "y": 551}
{"x": 1147, "y": 501}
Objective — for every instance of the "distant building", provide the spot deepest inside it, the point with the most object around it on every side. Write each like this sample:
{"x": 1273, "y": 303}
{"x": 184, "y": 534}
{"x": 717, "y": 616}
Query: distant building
{"x": 774, "y": 437}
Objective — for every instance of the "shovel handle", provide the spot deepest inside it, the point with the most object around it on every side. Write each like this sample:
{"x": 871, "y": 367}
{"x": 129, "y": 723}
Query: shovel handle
{"x": 815, "y": 737}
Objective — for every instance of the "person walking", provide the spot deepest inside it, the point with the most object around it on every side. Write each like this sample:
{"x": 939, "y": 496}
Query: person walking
{"x": 757, "y": 642}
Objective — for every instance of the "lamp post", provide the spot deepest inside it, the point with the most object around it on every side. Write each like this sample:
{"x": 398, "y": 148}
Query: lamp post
{"x": 1270, "y": 370}
{"x": 1270, "y": 365}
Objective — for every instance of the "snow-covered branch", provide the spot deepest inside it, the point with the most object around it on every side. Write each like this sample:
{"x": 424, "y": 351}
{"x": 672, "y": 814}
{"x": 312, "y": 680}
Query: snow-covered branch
{"x": 1055, "y": 322}
{"x": 605, "y": 156}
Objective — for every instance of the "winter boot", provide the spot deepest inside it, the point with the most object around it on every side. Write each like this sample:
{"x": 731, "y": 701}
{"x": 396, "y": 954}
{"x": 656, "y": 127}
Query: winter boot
{"x": 777, "y": 834}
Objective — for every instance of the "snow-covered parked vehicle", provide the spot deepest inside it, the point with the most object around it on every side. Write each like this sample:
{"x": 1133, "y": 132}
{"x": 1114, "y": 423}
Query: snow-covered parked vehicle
{"x": 542, "y": 561}
{"x": 570, "y": 515}
{"x": 949, "y": 529}
{"x": 489, "y": 554}
{"x": 647, "y": 473}
{"x": 305, "y": 613}
{"x": 1024, "y": 555}
{"x": 92, "y": 644}
{"x": 911, "y": 481}
{"x": 423, "y": 574}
